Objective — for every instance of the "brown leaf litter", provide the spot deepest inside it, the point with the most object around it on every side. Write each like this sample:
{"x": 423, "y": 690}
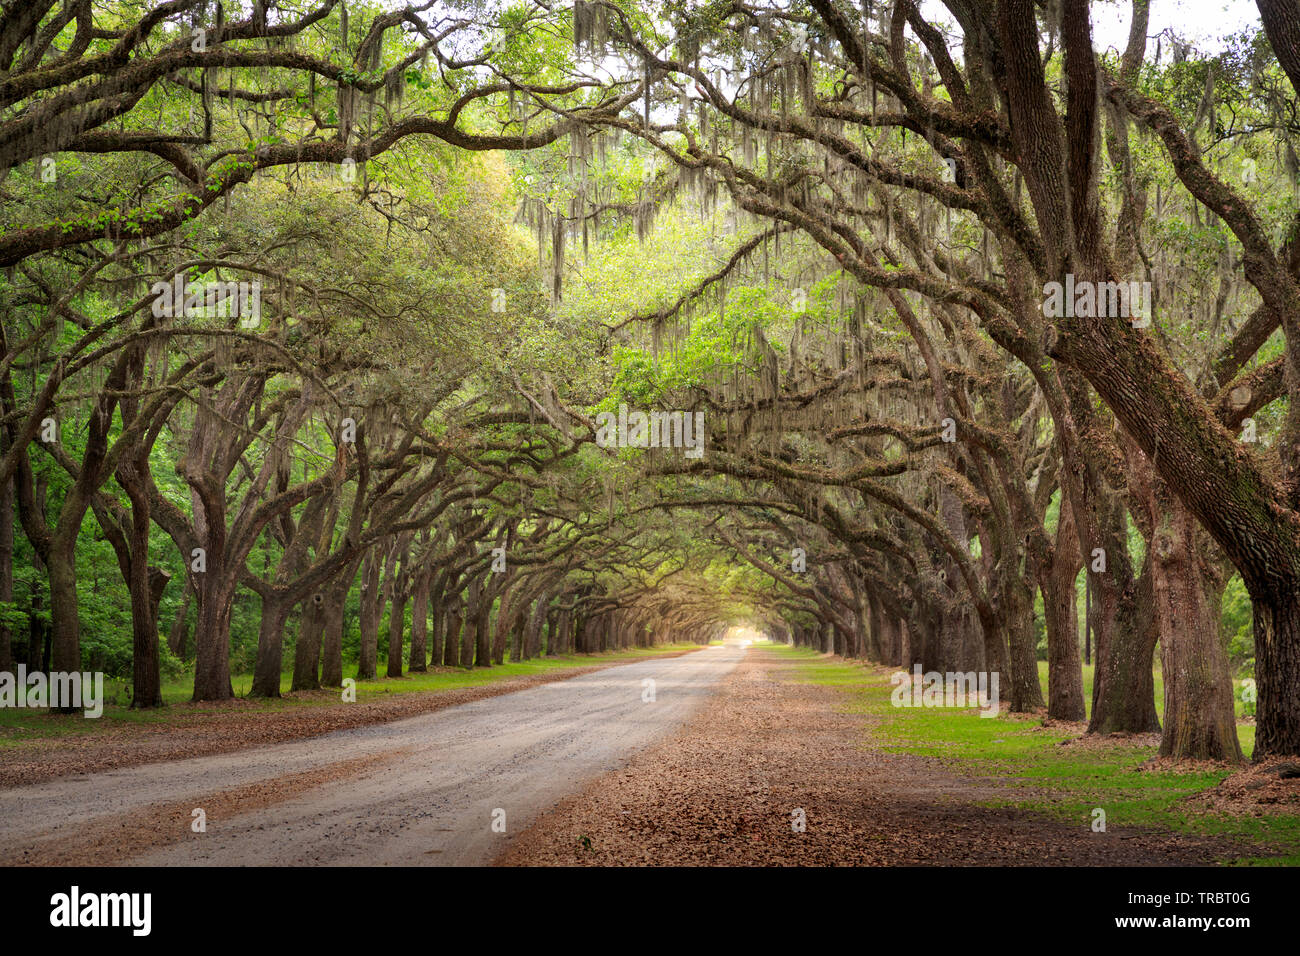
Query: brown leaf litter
{"x": 726, "y": 790}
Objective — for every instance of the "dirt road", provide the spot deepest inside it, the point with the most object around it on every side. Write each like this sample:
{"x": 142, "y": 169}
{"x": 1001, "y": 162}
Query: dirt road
{"x": 418, "y": 791}
{"x": 723, "y": 790}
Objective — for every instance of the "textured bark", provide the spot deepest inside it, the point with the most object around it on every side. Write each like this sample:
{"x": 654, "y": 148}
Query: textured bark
{"x": 552, "y": 631}
{"x": 38, "y": 658}
{"x": 215, "y": 594}
{"x": 212, "y": 640}
{"x": 1186, "y": 593}
{"x": 396, "y": 630}
{"x": 1200, "y": 723}
{"x": 564, "y": 631}
{"x": 1240, "y": 505}
{"x": 178, "y": 638}
{"x": 885, "y": 624}
{"x": 336, "y": 597}
{"x": 146, "y": 679}
{"x": 420, "y": 622}
{"x": 468, "y": 635}
{"x": 270, "y": 644}
{"x": 478, "y": 629}
{"x": 1123, "y": 688}
{"x": 368, "y": 653}
{"x": 399, "y": 591}
{"x": 1061, "y": 612}
{"x": 1281, "y": 19}
{"x": 307, "y": 649}
{"x": 452, "y": 640}
{"x": 65, "y": 628}
{"x": 505, "y": 623}
{"x": 1277, "y": 669}
{"x": 1022, "y": 664}
{"x": 437, "y": 619}
{"x": 6, "y": 568}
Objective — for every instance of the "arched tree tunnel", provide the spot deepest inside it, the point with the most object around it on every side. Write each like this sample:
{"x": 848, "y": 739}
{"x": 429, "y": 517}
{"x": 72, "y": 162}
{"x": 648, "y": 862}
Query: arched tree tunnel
{"x": 338, "y": 337}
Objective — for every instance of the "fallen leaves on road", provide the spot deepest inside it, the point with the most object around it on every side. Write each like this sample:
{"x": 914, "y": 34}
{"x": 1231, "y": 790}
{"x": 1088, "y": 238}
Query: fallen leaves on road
{"x": 725, "y": 791}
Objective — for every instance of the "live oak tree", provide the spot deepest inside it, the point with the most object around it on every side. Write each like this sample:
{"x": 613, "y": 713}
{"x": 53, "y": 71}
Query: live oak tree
{"x": 813, "y": 223}
{"x": 802, "y": 114}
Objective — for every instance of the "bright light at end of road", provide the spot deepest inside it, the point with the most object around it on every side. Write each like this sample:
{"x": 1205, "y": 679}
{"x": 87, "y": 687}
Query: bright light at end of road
{"x": 741, "y": 637}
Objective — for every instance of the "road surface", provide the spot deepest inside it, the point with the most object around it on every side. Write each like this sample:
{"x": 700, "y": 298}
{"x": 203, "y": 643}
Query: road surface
{"x": 428, "y": 791}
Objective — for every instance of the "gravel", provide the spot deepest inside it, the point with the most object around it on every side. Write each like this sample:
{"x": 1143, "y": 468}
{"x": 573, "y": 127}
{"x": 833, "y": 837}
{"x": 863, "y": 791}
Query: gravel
{"x": 726, "y": 788}
{"x": 415, "y": 791}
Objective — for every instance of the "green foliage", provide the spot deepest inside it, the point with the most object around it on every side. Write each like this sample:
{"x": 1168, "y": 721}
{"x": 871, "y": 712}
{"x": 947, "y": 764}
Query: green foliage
{"x": 1238, "y": 627}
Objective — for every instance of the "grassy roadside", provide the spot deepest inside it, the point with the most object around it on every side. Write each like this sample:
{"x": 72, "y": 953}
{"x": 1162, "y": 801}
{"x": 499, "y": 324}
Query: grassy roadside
{"x": 1037, "y": 773}
{"x": 1245, "y": 729}
{"x": 18, "y": 725}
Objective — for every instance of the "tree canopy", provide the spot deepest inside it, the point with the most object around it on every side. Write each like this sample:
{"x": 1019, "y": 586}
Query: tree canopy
{"x": 892, "y": 329}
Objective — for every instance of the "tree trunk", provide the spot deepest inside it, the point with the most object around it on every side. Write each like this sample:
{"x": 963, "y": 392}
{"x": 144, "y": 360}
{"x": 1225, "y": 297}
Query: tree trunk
{"x": 563, "y": 631}
{"x": 978, "y": 650}
{"x": 481, "y": 632}
{"x": 518, "y": 638}
{"x": 420, "y": 621}
{"x": 146, "y": 680}
{"x": 1022, "y": 662}
{"x": 467, "y": 637}
{"x": 1061, "y": 614}
{"x": 212, "y": 640}
{"x": 306, "y": 651}
{"x": 270, "y": 648}
{"x": 37, "y": 627}
{"x": 438, "y": 621}
{"x": 6, "y": 569}
{"x": 533, "y": 631}
{"x": 331, "y": 650}
{"x": 869, "y": 610}
{"x": 1277, "y": 669}
{"x": 1123, "y": 688}
{"x": 397, "y": 591}
{"x": 1199, "y": 720}
{"x": 473, "y": 598}
{"x": 894, "y": 639}
{"x": 336, "y": 603}
{"x": 178, "y": 636}
{"x": 397, "y": 631}
{"x": 504, "y": 626}
{"x": 368, "y": 654}
{"x": 451, "y": 638}
{"x": 65, "y": 629}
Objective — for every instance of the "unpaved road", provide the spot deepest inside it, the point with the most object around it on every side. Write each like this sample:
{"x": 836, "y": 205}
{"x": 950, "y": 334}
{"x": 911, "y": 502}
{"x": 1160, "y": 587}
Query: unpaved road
{"x": 417, "y": 791}
{"x": 722, "y": 790}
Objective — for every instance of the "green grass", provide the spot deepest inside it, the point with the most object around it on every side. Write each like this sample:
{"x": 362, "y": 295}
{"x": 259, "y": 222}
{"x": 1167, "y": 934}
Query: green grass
{"x": 18, "y": 725}
{"x": 1037, "y": 774}
{"x": 1239, "y": 705}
